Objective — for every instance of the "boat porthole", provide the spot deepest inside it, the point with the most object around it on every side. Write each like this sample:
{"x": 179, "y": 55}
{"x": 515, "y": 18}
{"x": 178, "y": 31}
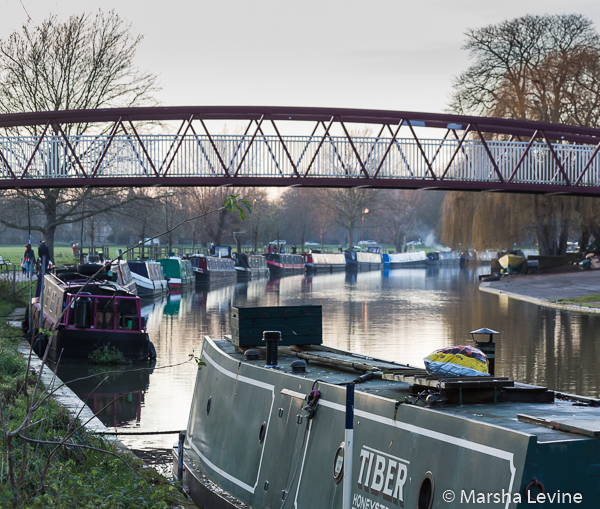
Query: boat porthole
{"x": 208, "y": 405}
{"x": 262, "y": 432}
{"x": 425, "y": 494}
{"x": 338, "y": 464}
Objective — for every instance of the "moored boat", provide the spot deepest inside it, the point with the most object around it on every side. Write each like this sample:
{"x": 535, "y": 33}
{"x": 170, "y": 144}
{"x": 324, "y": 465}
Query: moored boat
{"x": 271, "y": 434}
{"x": 125, "y": 278}
{"x": 284, "y": 263}
{"x": 178, "y": 272}
{"x": 324, "y": 262}
{"x": 213, "y": 269}
{"x": 250, "y": 266}
{"x": 149, "y": 277}
{"x": 511, "y": 261}
{"x": 104, "y": 314}
{"x": 443, "y": 258}
{"x": 400, "y": 260}
{"x": 359, "y": 260}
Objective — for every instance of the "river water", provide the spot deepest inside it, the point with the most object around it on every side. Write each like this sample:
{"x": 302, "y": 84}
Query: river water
{"x": 401, "y": 315}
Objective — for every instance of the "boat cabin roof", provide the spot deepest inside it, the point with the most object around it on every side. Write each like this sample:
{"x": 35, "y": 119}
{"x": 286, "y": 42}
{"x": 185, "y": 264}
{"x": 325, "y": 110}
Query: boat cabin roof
{"x": 523, "y": 408}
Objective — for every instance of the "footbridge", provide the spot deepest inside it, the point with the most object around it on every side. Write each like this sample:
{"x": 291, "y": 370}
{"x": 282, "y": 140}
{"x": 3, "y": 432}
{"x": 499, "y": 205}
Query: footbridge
{"x": 280, "y": 146}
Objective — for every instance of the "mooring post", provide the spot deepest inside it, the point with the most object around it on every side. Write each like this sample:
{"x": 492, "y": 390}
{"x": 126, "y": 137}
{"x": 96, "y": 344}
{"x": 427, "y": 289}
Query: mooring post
{"x": 348, "y": 447}
{"x": 180, "y": 456}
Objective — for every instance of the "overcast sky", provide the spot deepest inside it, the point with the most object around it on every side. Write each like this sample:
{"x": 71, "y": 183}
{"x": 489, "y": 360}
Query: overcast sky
{"x": 398, "y": 55}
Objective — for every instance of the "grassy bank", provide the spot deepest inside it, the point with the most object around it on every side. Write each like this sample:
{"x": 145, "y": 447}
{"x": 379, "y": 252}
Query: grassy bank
{"x": 592, "y": 301}
{"x": 84, "y": 472}
{"x": 12, "y": 297}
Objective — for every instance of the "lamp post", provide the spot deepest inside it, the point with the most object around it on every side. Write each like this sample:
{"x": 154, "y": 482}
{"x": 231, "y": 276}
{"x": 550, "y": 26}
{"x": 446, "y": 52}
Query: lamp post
{"x": 365, "y": 211}
{"x": 170, "y": 244}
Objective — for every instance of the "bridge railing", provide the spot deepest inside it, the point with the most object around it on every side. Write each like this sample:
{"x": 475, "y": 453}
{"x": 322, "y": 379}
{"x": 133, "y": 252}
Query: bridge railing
{"x": 313, "y": 157}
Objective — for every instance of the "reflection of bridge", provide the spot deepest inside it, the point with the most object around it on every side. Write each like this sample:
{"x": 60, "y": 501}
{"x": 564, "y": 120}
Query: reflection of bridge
{"x": 407, "y": 151}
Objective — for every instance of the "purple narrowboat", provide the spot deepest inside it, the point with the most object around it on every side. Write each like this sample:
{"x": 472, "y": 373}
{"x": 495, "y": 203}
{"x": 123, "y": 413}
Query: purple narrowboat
{"x": 103, "y": 314}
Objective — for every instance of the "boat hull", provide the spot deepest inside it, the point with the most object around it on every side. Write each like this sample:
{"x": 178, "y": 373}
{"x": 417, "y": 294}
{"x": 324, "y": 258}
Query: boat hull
{"x": 247, "y": 435}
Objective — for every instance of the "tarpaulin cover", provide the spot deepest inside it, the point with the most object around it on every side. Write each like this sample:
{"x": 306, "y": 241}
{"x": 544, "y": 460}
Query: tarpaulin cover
{"x": 457, "y": 361}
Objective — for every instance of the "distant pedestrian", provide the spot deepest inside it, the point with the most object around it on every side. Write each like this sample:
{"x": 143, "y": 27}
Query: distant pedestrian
{"x": 340, "y": 250}
{"x": 29, "y": 256}
{"x": 23, "y": 266}
{"x": 44, "y": 254}
{"x": 294, "y": 249}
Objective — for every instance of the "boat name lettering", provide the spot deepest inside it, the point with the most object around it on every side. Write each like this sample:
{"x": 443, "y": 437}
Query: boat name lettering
{"x": 382, "y": 474}
{"x": 362, "y": 502}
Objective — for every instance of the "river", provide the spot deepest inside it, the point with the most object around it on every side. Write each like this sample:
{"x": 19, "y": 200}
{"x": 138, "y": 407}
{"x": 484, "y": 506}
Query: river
{"x": 401, "y": 315}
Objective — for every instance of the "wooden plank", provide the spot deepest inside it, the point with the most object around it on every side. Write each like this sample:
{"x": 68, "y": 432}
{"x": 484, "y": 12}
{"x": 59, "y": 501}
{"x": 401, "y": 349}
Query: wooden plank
{"x": 586, "y": 427}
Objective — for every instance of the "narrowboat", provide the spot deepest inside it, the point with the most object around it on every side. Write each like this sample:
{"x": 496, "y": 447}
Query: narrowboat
{"x": 267, "y": 427}
{"x": 125, "y": 278}
{"x": 324, "y": 262}
{"x": 284, "y": 263}
{"x": 178, "y": 272}
{"x": 401, "y": 260}
{"x": 443, "y": 258}
{"x": 358, "y": 260}
{"x": 250, "y": 266}
{"x": 104, "y": 314}
{"x": 149, "y": 278}
{"x": 212, "y": 269}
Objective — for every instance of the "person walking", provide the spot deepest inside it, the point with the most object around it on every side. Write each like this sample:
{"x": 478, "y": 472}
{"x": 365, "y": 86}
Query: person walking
{"x": 29, "y": 256}
{"x": 44, "y": 254}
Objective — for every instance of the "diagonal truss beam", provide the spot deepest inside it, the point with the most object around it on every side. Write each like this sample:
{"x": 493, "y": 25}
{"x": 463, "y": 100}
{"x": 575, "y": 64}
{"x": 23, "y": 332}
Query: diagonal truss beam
{"x": 189, "y": 123}
{"x": 212, "y": 142}
{"x": 523, "y": 156}
{"x": 139, "y": 139}
{"x": 336, "y": 150}
{"x": 401, "y": 152}
{"x": 354, "y": 149}
{"x": 249, "y": 144}
{"x": 556, "y": 159}
{"x": 37, "y": 146}
{"x": 70, "y": 147}
{"x": 210, "y": 165}
{"x": 287, "y": 153}
{"x": 421, "y": 150}
{"x": 320, "y": 145}
{"x": 5, "y": 161}
{"x": 588, "y": 164}
{"x": 111, "y": 137}
{"x": 489, "y": 153}
{"x": 387, "y": 150}
{"x": 455, "y": 153}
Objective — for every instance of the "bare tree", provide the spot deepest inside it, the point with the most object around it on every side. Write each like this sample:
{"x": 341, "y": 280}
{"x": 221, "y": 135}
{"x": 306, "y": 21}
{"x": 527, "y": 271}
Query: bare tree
{"x": 543, "y": 68}
{"x": 348, "y": 205}
{"x": 86, "y": 62}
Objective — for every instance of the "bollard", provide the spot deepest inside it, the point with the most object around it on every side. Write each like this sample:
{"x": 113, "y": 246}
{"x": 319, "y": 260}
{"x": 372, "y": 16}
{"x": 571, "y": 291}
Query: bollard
{"x": 272, "y": 339}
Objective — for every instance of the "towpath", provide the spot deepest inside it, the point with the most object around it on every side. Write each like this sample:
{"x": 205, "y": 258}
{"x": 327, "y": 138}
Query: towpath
{"x": 550, "y": 289}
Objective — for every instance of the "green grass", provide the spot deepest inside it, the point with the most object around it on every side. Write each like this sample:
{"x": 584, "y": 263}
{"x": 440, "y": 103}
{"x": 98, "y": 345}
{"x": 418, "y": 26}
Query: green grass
{"x": 592, "y": 301}
{"x": 77, "y": 476}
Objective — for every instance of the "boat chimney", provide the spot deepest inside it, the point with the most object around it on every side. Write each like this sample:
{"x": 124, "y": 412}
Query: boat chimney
{"x": 487, "y": 347}
{"x": 272, "y": 339}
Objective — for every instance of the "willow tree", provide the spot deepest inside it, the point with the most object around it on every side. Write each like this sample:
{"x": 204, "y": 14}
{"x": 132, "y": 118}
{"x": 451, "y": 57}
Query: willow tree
{"x": 85, "y": 62}
{"x": 543, "y": 68}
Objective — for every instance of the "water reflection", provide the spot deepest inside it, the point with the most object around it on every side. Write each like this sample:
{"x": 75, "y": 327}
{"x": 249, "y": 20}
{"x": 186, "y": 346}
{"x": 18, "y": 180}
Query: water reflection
{"x": 400, "y": 314}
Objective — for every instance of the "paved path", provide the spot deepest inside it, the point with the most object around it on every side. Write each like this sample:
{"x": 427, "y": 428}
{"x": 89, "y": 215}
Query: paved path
{"x": 546, "y": 288}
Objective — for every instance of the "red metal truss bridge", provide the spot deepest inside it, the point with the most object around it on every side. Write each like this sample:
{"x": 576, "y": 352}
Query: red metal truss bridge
{"x": 328, "y": 148}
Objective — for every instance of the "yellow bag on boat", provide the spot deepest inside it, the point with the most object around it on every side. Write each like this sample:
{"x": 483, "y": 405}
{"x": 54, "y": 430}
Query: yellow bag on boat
{"x": 457, "y": 361}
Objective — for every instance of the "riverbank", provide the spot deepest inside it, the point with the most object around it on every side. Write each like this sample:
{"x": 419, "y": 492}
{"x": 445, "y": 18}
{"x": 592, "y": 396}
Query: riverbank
{"x": 68, "y": 462}
{"x": 573, "y": 291}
